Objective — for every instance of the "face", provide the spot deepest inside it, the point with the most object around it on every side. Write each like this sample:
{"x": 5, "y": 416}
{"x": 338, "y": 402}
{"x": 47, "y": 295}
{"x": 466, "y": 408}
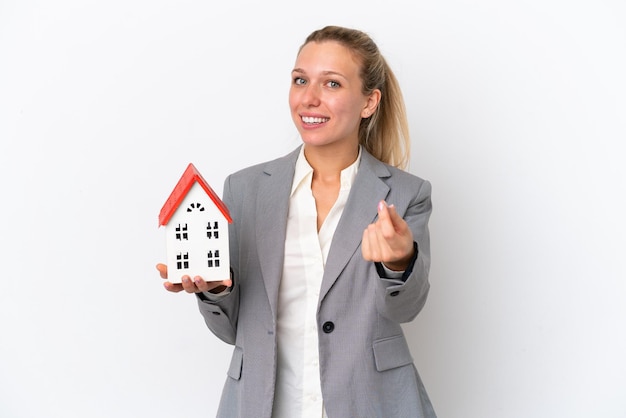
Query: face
{"x": 325, "y": 98}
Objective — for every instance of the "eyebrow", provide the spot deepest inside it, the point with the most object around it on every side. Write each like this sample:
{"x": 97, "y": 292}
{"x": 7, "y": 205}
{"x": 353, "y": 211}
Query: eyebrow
{"x": 326, "y": 73}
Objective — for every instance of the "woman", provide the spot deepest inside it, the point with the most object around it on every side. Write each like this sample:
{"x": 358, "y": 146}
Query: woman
{"x": 324, "y": 271}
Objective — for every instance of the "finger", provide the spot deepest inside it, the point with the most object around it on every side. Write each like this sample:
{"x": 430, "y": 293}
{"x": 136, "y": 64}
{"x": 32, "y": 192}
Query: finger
{"x": 396, "y": 228}
{"x": 162, "y": 268}
{"x": 173, "y": 287}
{"x": 396, "y": 220}
{"x": 374, "y": 242}
{"x": 188, "y": 285}
{"x": 385, "y": 223}
{"x": 200, "y": 284}
{"x": 205, "y": 286}
{"x": 383, "y": 212}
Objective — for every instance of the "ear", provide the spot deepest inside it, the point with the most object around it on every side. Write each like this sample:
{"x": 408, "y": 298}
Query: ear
{"x": 371, "y": 104}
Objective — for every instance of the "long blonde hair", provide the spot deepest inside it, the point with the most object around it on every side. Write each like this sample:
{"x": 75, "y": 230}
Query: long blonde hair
{"x": 385, "y": 134}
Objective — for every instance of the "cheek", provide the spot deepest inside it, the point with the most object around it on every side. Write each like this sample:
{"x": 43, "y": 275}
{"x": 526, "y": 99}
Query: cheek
{"x": 350, "y": 109}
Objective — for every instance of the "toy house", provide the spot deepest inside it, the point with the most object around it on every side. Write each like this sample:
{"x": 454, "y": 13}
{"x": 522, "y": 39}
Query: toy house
{"x": 196, "y": 229}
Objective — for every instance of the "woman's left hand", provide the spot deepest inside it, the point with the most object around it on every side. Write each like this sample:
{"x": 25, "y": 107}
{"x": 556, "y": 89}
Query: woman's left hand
{"x": 389, "y": 240}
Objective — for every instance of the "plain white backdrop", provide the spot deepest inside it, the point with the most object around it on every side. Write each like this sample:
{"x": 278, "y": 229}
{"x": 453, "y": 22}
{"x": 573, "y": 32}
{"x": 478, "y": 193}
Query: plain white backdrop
{"x": 518, "y": 118}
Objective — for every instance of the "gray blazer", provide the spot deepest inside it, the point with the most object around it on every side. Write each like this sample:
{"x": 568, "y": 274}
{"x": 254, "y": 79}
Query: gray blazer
{"x": 366, "y": 368}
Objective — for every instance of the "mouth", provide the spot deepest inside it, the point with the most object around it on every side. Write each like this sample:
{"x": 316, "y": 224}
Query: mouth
{"x": 314, "y": 121}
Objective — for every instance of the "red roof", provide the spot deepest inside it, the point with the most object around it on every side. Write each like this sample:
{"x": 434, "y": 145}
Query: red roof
{"x": 190, "y": 176}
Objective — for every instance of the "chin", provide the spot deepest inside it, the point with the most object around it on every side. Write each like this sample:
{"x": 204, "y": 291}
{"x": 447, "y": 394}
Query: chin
{"x": 315, "y": 142}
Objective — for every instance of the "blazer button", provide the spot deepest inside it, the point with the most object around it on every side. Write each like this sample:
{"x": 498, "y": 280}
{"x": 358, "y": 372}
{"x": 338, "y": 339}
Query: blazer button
{"x": 328, "y": 327}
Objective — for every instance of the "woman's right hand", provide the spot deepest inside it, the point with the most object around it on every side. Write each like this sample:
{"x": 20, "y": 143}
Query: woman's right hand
{"x": 196, "y": 285}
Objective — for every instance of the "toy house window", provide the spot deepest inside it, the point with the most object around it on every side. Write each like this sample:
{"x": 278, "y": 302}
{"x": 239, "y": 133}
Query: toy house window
{"x": 181, "y": 232}
{"x": 182, "y": 261}
{"x": 195, "y": 206}
{"x": 212, "y": 231}
{"x": 213, "y": 258}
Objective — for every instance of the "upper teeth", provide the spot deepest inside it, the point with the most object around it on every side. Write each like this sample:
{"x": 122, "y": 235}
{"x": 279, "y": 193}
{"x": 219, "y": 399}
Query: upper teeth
{"x": 307, "y": 119}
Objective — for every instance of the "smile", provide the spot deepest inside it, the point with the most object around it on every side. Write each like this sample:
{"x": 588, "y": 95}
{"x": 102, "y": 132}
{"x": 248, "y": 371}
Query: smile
{"x": 311, "y": 120}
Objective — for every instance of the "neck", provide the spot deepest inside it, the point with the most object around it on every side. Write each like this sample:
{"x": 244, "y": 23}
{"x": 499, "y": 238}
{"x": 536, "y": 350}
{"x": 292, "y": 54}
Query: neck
{"x": 329, "y": 161}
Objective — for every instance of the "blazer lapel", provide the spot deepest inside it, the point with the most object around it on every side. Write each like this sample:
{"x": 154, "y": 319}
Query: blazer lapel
{"x": 272, "y": 211}
{"x": 360, "y": 210}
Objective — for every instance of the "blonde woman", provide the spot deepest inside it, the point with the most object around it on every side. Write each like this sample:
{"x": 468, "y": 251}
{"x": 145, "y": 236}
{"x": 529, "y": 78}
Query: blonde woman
{"x": 329, "y": 251}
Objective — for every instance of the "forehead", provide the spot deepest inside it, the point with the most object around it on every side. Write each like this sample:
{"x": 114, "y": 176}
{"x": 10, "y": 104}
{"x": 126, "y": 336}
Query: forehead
{"x": 327, "y": 56}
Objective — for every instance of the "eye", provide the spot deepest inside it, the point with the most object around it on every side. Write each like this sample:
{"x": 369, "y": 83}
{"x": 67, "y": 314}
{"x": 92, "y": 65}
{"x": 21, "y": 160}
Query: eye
{"x": 333, "y": 84}
{"x": 299, "y": 81}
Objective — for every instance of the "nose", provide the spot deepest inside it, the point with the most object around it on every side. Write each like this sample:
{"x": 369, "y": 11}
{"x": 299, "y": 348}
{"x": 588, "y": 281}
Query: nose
{"x": 311, "y": 96}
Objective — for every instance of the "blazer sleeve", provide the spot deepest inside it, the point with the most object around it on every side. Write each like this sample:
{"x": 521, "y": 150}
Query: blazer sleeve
{"x": 400, "y": 300}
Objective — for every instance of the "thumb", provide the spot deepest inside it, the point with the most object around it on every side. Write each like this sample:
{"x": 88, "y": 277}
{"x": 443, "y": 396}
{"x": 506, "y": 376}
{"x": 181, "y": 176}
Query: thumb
{"x": 392, "y": 221}
{"x": 383, "y": 211}
{"x": 394, "y": 218}
{"x": 388, "y": 213}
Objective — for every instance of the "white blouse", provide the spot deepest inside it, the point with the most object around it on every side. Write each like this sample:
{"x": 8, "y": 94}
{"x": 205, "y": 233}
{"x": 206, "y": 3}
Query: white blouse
{"x": 298, "y": 390}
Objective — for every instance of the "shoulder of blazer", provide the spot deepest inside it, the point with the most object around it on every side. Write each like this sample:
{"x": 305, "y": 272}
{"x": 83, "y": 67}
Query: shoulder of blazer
{"x": 374, "y": 165}
{"x": 390, "y": 174}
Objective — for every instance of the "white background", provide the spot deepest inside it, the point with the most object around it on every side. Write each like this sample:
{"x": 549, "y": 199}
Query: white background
{"x": 518, "y": 118}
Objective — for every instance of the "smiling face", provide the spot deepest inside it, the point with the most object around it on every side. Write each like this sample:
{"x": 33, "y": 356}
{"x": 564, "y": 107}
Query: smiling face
{"x": 326, "y": 98}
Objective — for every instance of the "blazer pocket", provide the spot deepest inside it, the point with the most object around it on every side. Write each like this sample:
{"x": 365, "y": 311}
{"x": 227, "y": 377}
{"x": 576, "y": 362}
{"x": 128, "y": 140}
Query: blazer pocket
{"x": 236, "y": 362}
{"x": 391, "y": 352}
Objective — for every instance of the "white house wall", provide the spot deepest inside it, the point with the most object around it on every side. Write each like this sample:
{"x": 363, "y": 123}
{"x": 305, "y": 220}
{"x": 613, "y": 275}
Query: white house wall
{"x": 197, "y": 246}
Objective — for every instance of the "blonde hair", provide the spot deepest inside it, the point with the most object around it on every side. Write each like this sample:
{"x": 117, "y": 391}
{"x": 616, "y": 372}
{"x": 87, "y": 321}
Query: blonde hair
{"x": 385, "y": 134}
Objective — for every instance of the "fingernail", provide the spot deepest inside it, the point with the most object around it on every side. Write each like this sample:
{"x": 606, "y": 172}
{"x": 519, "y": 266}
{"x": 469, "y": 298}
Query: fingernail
{"x": 381, "y": 205}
